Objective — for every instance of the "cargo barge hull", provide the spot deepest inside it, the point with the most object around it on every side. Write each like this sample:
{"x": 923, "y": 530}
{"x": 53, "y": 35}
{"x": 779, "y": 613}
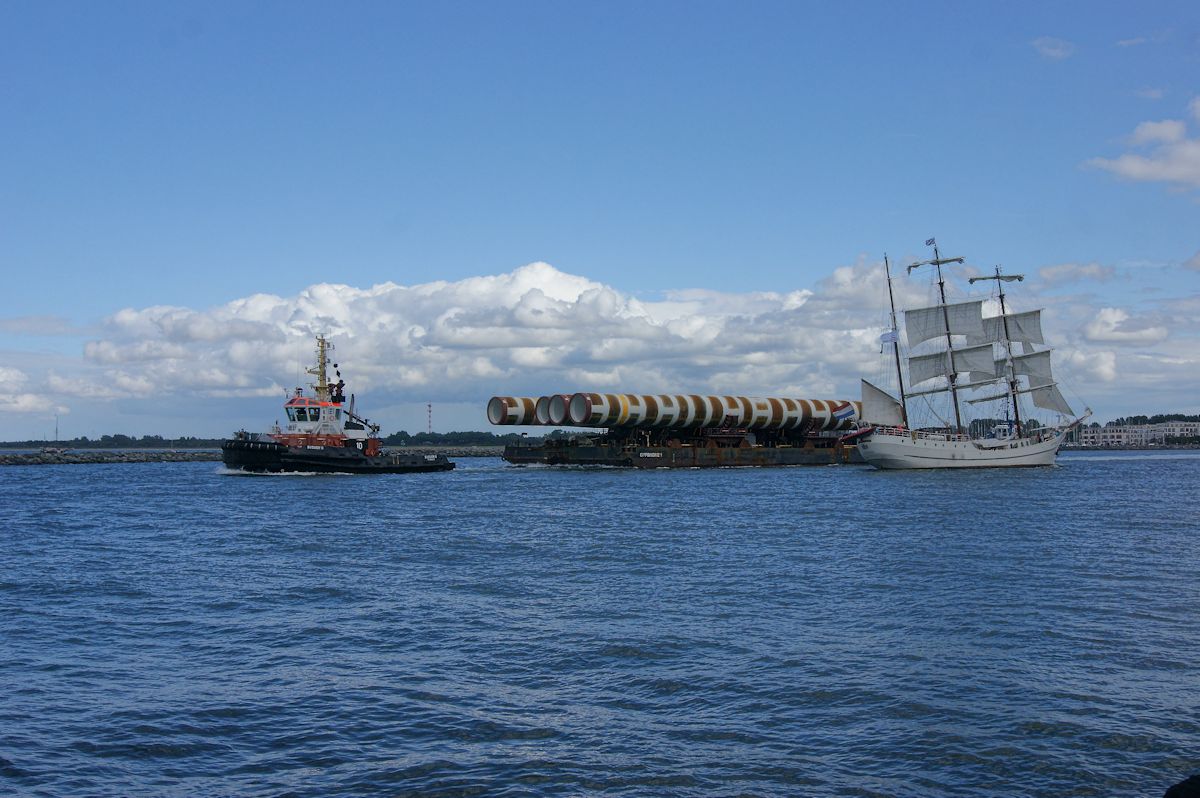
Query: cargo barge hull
{"x": 615, "y": 454}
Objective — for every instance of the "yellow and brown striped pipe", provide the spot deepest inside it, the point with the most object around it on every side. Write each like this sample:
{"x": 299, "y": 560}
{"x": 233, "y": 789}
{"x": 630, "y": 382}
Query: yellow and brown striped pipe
{"x": 674, "y": 410}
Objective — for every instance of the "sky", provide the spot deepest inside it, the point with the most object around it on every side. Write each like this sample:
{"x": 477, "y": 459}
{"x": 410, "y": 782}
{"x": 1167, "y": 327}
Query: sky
{"x": 473, "y": 199}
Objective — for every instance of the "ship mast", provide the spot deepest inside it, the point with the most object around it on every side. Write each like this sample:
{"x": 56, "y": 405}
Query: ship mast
{"x": 895, "y": 335}
{"x": 321, "y": 387}
{"x": 952, "y": 376}
{"x": 1001, "y": 279}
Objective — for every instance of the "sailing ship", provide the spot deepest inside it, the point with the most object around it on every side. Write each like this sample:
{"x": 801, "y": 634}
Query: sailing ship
{"x": 996, "y": 356}
{"x": 323, "y": 436}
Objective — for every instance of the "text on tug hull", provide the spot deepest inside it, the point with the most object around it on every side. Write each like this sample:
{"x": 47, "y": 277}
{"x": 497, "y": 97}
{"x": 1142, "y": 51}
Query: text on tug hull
{"x": 682, "y": 430}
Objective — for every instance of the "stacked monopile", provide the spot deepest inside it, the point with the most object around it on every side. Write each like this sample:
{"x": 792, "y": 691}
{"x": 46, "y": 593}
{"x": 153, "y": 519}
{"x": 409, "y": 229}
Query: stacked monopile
{"x": 612, "y": 410}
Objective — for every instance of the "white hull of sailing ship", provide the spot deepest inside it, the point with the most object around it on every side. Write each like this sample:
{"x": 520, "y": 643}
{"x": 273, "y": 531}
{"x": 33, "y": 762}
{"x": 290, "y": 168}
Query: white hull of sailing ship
{"x": 897, "y": 448}
{"x": 974, "y": 353}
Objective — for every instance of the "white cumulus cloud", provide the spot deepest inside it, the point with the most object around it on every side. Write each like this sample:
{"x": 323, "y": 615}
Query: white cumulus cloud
{"x": 1070, "y": 272}
{"x": 537, "y": 330}
{"x": 37, "y": 325}
{"x": 12, "y": 378}
{"x": 1167, "y": 154}
{"x": 1115, "y": 325}
{"x": 1052, "y": 48}
{"x": 1099, "y": 364}
{"x": 24, "y": 403}
{"x": 1168, "y": 130}
{"x": 14, "y": 399}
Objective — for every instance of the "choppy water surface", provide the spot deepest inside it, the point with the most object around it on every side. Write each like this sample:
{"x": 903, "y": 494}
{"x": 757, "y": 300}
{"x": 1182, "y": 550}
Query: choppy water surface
{"x": 170, "y": 630}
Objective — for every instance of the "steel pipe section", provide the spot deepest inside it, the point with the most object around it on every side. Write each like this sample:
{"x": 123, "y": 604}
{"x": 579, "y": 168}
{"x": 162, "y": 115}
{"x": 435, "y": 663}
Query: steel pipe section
{"x": 547, "y": 412}
{"x": 692, "y": 410}
{"x": 559, "y": 410}
{"x": 512, "y": 410}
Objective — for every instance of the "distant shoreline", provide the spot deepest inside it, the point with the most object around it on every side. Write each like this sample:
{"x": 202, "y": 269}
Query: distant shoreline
{"x": 94, "y": 456}
{"x": 1156, "y": 448}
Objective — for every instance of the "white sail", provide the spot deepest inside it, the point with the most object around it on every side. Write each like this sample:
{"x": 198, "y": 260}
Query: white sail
{"x": 1049, "y": 397}
{"x": 923, "y": 324}
{"x": 974, "y": 359}
{"x": 926, "y": 367}
{"x": 996, "y": 372}
{"x": 1035, "y": 366}
{"x": 1024, "y": 327}
{"x": 878, "y": 407}
{"x": 999, "y": 369}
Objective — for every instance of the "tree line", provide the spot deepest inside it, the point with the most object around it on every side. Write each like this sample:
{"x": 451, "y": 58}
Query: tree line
{"x": 1134, "y": 421}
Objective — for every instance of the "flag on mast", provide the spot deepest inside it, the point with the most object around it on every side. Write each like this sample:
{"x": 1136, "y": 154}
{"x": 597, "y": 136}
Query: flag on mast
{"x": 930, "y": 242}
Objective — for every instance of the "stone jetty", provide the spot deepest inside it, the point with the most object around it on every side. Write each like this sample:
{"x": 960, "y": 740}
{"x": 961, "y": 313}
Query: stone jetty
{"x": 89, "y": 456}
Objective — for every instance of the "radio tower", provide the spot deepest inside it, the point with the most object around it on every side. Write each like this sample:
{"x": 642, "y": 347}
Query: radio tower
{"x": 429, "y": 417}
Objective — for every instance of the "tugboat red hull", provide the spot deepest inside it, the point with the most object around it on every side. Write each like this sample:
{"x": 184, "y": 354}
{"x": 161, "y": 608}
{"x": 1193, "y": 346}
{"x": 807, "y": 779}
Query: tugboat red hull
{"x": 259, "y": 456}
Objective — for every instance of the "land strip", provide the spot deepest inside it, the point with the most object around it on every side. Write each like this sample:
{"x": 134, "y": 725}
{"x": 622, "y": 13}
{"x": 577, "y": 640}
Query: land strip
{"x": 93, "y": 456}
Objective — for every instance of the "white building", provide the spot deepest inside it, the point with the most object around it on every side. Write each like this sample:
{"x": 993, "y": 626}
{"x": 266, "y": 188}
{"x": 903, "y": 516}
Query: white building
{"x": 1139, "y": 434}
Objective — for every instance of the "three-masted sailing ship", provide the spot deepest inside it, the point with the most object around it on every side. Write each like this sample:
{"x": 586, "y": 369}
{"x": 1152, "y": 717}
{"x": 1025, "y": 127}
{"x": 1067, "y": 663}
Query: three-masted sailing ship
{"x": 976, "y": 360}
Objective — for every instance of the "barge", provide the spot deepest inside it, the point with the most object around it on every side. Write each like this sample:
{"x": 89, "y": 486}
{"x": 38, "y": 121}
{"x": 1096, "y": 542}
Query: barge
{"x": 606, "y": 450}
{"x": 682, "y": 431}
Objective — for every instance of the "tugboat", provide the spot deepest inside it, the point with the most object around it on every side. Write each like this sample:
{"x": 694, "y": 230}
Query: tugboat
{"x": 322, "y": 436}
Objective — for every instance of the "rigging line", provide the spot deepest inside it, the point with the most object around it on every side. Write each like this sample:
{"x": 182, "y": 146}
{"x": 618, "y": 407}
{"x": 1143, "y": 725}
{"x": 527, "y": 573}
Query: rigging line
{"x": 1065, "y": 377}
{"x": 936, "y": 414}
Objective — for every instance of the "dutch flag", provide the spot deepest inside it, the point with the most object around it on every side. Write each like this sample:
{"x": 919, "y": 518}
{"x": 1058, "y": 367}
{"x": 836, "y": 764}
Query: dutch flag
{"x": 844, "y": 412}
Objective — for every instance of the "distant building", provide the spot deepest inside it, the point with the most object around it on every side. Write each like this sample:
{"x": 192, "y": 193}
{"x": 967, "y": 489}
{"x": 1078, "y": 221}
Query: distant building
{"x": 1139, "y": 434}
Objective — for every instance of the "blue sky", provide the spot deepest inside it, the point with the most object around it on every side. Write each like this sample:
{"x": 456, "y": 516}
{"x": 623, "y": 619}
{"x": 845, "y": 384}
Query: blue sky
{"x": 190, "y": 156}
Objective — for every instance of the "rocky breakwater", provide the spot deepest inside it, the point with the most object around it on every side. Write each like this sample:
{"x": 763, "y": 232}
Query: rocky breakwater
{"x": 85, "y": 456}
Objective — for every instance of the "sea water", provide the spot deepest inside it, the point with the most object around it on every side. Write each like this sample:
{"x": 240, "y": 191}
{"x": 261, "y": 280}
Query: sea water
{"x": 175, "y": 630}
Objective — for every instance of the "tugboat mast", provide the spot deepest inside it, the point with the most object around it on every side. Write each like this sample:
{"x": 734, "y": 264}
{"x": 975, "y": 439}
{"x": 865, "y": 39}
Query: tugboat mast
{"x": 321, "y": 387}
